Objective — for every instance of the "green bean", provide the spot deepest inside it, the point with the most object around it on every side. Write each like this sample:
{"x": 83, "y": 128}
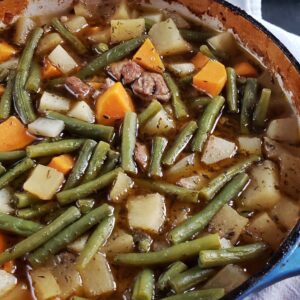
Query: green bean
{"x": 170, "y": 254}
{"x": 214, "y": 186}
{"x": 158, "y": 147}
{"x": 54, "y": 214}
{"x": 12, "y": 155}
{"x": 96, "y": 161}
{"x": 85, "y": 205}
{"x": 54, "y": 148}
{"x": 207, "y": 122}
{"x": 18, "y": 226}
{"x": 200, "y": 102}
{"x": 33, "y": 83}
{"x": 95, "y": 241}
{"x": 6, "y": 99}
{"x": 199, "y": 221}
{"x": 190, "y": 278}
{"x": 143, "y": 241}
{"x": 231, "y": 91}
{"x": 153, "y": 108}
{"x": 69, "y": 234}
{"x": 144, "y": 286}
{"x": 2, "y": 169}
{"x": 234, "y": 255}
{"x": 180, "y": 110}
{"x": 173, "y": 270}
{"x": 24, "y": 199}
{"x": 38, "y": 210}
{"x": 261, "y": 110}
{"x": 86, "y": 189}
{"x": 80, "y": 165}
{"x": 40, "y": 237}
{"x": 149, "y": 23}
{"x": 207, "y": 52}
{"x": 72, "y": 39}
{"x": 207, "y": 294}
{"x": 111, "y": 162}
{"x": 181, "y": 141}
{"x": 181, "y": 193}
{"x": 22, "y": 101}
{"x": 248, "y": 104}
{"x": 129, "y": 133}
{"x": 6, "y": 67}
{"x": 81, "y": 128}
{"x": 194, "y": 36}
{"x": 17, "y": 170}
{"x": 188, "y": 79}
{"x": 102, "y": 47}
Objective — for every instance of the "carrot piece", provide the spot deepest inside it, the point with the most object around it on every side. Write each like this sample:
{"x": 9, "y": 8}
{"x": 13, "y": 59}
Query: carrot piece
{"x": 95, "y": 85}
{"x": 113, "y": 104}
{"x": 211, "y": 78}
{"x": 6, "y": 51}
{"x": 148, "y": 57}
{"x": 9, "y": 266}
{"x": 63, "y": 163}
{"x": 200, "y": 60}
{"x": 2, "y": 89}
{"x": 50, "y": 71}
{"x": 245, "y": 69}
{"x": 14, "y": 135}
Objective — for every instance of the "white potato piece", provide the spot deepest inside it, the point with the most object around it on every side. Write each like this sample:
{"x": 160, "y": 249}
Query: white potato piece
{"x": 167, "y": 39}
{"x": 60, "y": 58}
{"x": 124, "y": 30}
{"x": 97, "y": 277}
{"x": 78, "y": 245}
{"x": 76, "y": 23}
{"x": 122, "y": 11}
{"x": 53, "y": 102}
{"x": 44, "y": 182}
{"x": 262, "y": 193}
{"x": 180, "y": 21}
{"x": 80, "y": 9}
{"x": 284, "y": 130}
{"x": 5, "y": 201}
{"x": 82, "y": 111}
{"x": 49, "y": 42}
{"x": 250, "y": 145}
{"x": 229, "y": 278}
{"x": 121, "y": 187}
{"x": 46, "y": 127}
{"x": 155, "y": 16}
{"x": 286, "y": 212}
{"x": 263, "y": 227}
{"x": 181, "y": 69}
{"x": 23, "y": 26}
{"x": 44, "y": 283}
{"x": 228, "y": 223}
{"x": 7, "y": 282}
{"x": 224, "y": 43}
{"x": 218, "y": 149}
{"x": 183, "y": 168}
{"x": 195, "y": 182}
{"x": 147, "y": 212}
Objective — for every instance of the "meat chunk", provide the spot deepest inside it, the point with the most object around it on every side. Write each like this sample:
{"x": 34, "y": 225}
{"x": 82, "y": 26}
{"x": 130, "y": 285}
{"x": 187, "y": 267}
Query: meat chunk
{"x": 151, "y": 86}
{"x": 127, "y": 71}
{"x": 77, "y": 87}
{"x": 141, "y": 155}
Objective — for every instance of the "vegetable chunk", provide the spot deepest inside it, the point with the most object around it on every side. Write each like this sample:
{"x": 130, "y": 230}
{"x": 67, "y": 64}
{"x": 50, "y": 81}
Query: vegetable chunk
{"x": 7, "y": 282}
{"x": 53, "y": 102}
{"x": 124, "y": 30}
{"x": 63, "y": 163}
{"x": 6, "y": 51}
{"x": 46, "y": 127}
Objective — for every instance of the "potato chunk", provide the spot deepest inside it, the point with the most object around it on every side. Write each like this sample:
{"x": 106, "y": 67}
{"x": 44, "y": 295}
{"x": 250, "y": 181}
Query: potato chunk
{"x": 251, "y": 145}
{"x": 123, "y": 30}
{"x": 7, "y": 282}
{"x": 147, "y": 212}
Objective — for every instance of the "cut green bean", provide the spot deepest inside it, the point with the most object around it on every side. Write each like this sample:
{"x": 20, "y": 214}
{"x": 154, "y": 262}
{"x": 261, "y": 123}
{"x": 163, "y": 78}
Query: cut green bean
{"x": 149, "y": 23}
{"x": 143, "y": 241}
{"x": 200, "y": 102}
{"x": 17, "y": 170}
{"x": 180, "y": 110}
{"x": 33, "y": 83}
{"x": 85, "y": 205}
{"x": 190, "y": 278}
{"x": 72, "y": 39}
{"x": 102, "y": 47}
{"x": 84, "y": 129}
{"x": 54, "y": 148}
{"x": 158, "y": 148}
{"x": 231, "y": 91}
{"x": 37, "y": 210}
{"x": 2, "y": 169}
{"x": 40, "y": 237}
{"x": 234, "y": 255}
{"x": 207, "y": 52}
{"x": 129, "y": 133}
{"x": 80, "y": 165}
{"x": 6, "y": 67}
{"x": 207, "y": 294}
{"x": 214, "y": 186}
{"x": 22, "y": 101}
{"x": 173, "y": 270}
{"x": 199, "y": 221}
{"x": 96, "y": 162}
{"x": 69, "y": 234}
{"x": 18, "y": 226}
{"x": 95, "y": 241}
{"x": 181, "y": 193}
{"x": 6, "y": 99}
{"x": 12, "y": 155}
{"x": 181, "y": 141}
{"x": 144, "y": 286}
{"x": 248, "y": 104}
{"x": 195, "y": 36}
{"x": 153, "y": 108}
{"x": 86, "y": 189}
{"x": 171, "y": 254}
{"x": 112, "y": 160}
{"x": 24, "y": 199}
{"x": 207, "y": 122}
{"x": 261, "y": 110}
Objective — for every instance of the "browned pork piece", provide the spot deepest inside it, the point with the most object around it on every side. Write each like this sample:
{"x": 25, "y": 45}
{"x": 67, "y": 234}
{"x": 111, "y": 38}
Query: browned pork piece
{"x": 77, "y": 87}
